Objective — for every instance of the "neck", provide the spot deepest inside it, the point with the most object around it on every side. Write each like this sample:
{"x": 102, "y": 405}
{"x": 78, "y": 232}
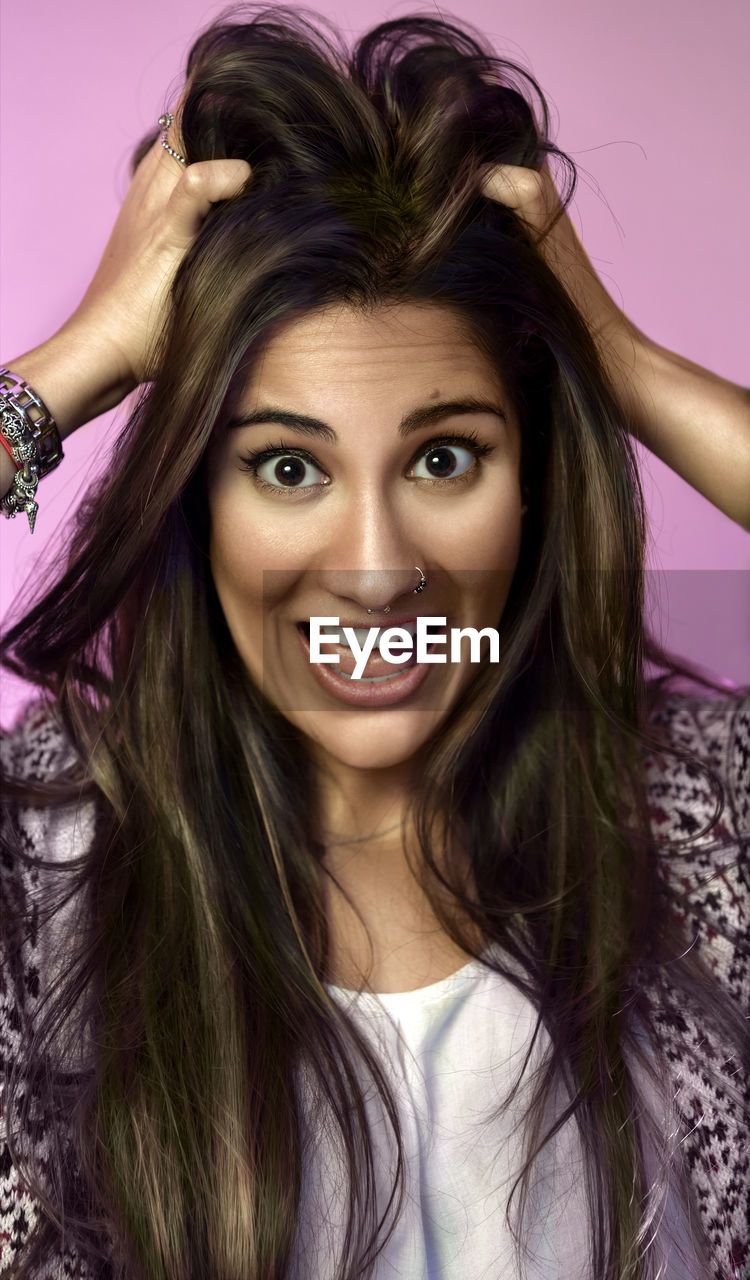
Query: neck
{"x": 363, "y": 807}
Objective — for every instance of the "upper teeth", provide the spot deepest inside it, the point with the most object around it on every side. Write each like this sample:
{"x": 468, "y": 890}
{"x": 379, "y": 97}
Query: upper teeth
{"x": 362, "y": 633}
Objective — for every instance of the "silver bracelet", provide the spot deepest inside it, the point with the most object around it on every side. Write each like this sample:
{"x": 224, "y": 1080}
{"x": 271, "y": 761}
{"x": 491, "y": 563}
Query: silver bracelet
{"x": 34, "y": 443}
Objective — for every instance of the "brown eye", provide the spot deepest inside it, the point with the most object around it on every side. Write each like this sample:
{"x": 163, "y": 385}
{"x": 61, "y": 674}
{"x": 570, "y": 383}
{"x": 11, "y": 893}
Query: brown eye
{"x": 288, "y": 471}
{"x": 444, "y": 461}
{"x": 441, "y": 462}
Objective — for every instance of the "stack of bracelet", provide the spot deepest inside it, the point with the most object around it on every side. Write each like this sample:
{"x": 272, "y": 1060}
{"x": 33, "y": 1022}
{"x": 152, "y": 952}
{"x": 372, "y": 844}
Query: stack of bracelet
{"x": 29, "y": 433}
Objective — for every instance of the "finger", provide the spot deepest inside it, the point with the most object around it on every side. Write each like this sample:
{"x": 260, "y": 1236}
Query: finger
{"x": 531, "y": 194}
{"x": 201, "y": 185}
{"x": 515, "y": 186}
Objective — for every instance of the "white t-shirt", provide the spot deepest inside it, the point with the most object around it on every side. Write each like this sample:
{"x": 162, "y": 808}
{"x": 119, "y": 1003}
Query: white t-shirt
{"x": 452, "y": 1052}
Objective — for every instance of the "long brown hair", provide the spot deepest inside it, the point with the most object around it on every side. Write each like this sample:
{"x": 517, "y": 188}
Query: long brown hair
{"x": 204, "y": 917}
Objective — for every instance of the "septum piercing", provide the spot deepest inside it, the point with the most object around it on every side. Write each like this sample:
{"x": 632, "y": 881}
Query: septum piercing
{"x": 421, "y": 587}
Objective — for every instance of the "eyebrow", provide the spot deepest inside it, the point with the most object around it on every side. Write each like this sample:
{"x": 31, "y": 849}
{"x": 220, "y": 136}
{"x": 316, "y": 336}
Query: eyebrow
{"x": 425, "y": 416}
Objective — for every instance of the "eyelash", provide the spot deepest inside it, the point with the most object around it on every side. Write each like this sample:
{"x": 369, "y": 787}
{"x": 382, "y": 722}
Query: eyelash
{"x": 254, "y": 460}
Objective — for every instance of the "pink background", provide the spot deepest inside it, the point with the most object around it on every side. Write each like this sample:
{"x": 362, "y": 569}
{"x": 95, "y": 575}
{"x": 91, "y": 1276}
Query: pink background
{"x": 649, "y": 98}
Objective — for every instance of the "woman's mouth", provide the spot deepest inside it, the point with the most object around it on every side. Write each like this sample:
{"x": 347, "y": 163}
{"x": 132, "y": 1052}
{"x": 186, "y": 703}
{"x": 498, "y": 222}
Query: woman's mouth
{"x": 379, "y": 683}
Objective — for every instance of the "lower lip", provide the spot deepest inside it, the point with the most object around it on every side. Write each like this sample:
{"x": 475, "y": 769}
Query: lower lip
{"x": 358, "y": 693}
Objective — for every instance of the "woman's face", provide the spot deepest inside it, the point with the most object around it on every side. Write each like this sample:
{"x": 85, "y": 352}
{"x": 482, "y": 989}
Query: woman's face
{"x": 359, "y": 490}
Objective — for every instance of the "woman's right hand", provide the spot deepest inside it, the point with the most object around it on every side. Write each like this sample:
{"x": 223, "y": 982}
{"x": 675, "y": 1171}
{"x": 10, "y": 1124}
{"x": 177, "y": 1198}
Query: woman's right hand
{"x": 166, "y": 203}
{"x": 102, "y": 352}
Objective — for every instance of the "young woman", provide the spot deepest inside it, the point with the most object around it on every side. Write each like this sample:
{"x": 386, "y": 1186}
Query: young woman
{"x": 441, "y": 971}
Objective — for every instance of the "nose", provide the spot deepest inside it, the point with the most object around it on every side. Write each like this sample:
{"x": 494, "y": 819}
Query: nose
{"x": 374, "y": 558}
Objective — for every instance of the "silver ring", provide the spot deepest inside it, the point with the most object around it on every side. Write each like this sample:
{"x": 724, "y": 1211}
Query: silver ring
{"x": 165, "y": 121}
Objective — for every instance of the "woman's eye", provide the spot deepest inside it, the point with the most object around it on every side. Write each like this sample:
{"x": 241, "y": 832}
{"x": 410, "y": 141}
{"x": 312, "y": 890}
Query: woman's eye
{"x": 289, "y": 472}
{"x": 445, "y": 461}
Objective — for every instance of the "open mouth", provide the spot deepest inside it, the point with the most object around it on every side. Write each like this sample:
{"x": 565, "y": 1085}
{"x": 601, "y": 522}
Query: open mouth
{"x": 377, "y": 670}
{"x": 377, "y": 683}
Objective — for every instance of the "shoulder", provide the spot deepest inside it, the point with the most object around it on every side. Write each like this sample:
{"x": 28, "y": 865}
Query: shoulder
{"x": 39, "y": 844}
{"x": 717, "y": 731}
{"x": 36, "y": 746}
{"x": 699, "y": 808}
{"x": 35, "y": 749}
{"x": 699, "y": 805}
{"x": 701, "y": 819}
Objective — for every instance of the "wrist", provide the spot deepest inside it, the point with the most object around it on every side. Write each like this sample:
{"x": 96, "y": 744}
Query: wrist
{"x": 29, "y": 435}
{"x": 77, "y": 374}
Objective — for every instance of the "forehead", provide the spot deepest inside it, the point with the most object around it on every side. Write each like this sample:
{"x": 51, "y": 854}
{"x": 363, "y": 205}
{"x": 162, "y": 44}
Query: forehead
{"x": 403, "y": 347}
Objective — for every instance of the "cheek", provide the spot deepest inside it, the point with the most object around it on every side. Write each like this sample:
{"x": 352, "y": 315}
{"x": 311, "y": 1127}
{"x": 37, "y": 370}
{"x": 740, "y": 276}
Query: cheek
{"x": 490, "y": 540}
{"x": 236, "y": 564}
{"x": 239, "y": 588}
{"x": 245, "y": 549}
{"x": 254, "y": 571}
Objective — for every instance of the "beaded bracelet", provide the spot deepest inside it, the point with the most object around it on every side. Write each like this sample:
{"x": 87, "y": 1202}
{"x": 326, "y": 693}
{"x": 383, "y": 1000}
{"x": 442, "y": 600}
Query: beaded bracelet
{"x": 30, "y": 435}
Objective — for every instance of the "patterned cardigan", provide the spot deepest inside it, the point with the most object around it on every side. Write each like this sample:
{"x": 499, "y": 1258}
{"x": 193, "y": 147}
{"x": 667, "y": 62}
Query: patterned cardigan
{"x": 714, "y": 881}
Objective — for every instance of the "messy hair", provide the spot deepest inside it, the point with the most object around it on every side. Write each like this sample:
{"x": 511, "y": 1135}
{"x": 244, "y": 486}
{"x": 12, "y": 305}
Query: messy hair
{"x": 195, "y": 996}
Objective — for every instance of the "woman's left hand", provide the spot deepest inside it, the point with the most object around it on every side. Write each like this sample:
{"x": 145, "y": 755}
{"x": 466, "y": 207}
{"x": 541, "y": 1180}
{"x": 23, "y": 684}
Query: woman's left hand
{"x": 695, "y": 421}
{"x": 532, "y": 195}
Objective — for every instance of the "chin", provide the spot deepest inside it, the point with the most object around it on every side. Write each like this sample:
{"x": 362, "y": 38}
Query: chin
{"x": 381, "y": 741}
